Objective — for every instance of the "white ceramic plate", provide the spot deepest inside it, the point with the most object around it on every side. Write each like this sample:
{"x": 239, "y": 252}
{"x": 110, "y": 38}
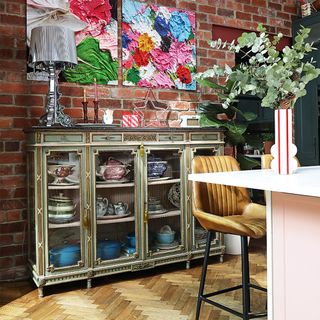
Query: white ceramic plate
{"x": 174, "y": 195}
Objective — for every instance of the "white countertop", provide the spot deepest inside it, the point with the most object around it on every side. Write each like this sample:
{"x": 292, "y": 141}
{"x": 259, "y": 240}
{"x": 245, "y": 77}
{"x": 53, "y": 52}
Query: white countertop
{"x": 304, "y": 181}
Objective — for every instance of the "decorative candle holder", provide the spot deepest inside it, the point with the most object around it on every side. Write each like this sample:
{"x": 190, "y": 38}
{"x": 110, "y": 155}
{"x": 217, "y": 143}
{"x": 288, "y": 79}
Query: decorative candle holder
{"x": 96, "y": 110}
{"x": 85, "y": 111}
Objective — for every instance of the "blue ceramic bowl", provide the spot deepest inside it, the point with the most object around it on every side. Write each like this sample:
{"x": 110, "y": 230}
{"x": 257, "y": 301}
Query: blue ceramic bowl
{"x": 165, "y": 238}
{"x": 108, "y": 249}
{"x": 131, "y": 239}
{"x": 66, "y": 255}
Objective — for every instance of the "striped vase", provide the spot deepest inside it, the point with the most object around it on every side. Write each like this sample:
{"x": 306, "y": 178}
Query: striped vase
{"x": 283, "y": 151}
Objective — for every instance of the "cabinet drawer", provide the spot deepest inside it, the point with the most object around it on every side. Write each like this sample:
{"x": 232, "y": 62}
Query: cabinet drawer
{"x": 107, "y": 137}
{"x": 171, "y": 137}
{"x": 204, "y": 136}
{"x": 63, "y": 138}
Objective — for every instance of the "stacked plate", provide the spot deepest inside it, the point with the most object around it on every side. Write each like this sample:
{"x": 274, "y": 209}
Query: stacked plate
{"x": 200, "y": 234}
{"x": 155, "y": 206}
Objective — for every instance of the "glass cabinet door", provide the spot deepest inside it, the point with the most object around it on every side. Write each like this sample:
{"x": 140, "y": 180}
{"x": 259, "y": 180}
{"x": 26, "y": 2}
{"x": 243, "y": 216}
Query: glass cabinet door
{"x": 164, "y": 223}
{"x": 116, "y": 182}
{"x": 64, "y": 209}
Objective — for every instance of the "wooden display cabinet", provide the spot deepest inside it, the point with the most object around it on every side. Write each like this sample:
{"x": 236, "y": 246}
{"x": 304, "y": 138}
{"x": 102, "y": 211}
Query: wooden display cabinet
{"x": 98, "y": 197}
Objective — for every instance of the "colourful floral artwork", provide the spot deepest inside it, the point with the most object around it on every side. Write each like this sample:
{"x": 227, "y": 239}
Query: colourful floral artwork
{"x": 158, "y": 46}
{"x": 96, "y": 29}
{"x": 97, "y": 44}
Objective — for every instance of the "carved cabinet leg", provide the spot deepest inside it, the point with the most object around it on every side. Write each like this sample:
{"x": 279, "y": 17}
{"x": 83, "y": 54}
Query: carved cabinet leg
{"x": 40, "y": 292}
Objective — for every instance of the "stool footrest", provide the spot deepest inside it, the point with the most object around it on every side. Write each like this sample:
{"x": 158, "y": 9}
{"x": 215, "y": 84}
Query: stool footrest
{"x": 205, "y": 297}
{"x": 257, "y": 287}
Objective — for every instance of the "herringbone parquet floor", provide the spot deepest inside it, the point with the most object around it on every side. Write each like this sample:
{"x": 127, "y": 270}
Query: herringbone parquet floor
{"x": 165, "y": 293}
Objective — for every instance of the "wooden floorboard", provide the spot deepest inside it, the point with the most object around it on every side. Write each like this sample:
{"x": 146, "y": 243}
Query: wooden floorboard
{"x": 163, "y": 293}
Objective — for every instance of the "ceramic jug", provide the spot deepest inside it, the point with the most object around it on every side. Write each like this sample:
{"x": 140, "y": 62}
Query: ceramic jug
{"x": 101, "y": 206}
{"x": 107, "y": 117}
{"x": 120, "y": 208}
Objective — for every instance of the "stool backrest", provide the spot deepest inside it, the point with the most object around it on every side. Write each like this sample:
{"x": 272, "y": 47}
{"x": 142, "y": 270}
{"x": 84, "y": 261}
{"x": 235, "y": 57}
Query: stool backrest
{"x": 266, "y": 161}
{"x": 217, "y": 199}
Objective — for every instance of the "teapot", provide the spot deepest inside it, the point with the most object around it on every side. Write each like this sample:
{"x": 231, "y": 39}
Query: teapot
{"x": 101, "y": 206}
{"x": 120, "y": 208}
{"x": 112, "y": 170}
{"x": 110, "y": 209}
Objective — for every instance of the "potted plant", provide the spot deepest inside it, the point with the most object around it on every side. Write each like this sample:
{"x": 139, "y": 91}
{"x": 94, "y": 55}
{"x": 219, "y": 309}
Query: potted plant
{"x": 235, "y": 123}
{"x": 268, "y": 141}
{"x": 278, "y": 78}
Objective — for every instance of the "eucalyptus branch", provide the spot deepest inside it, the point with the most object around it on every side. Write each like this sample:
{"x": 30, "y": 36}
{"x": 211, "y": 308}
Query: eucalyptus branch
{"x": 269, "y": 74}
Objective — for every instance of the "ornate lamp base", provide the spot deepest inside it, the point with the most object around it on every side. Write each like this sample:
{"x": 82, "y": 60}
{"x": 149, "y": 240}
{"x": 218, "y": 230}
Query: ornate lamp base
{"x": 54, "y": 111}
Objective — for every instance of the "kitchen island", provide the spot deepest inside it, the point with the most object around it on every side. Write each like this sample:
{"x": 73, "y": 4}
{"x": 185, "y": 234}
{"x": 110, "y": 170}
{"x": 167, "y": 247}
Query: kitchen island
{"x": 293, "y": 236}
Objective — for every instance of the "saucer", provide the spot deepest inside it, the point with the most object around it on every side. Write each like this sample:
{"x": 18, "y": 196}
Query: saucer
{"x": 123, "y": 180}
{"x": 167, "y": 246}
{"x": 114, "y": 216}
{"x": 63, "y": 183}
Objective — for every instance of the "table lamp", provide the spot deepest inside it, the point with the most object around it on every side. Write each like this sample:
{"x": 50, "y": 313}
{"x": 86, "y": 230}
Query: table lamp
{"x": 53, "y": 48}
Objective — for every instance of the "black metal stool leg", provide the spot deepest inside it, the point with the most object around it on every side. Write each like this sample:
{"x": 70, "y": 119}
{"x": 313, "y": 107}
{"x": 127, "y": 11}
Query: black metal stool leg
{"x": 204, "y": 273}
{"x": 245, "y": 277}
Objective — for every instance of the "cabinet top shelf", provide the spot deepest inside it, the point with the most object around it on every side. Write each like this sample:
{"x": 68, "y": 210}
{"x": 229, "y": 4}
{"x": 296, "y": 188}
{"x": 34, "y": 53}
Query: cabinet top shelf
{"x": 106, "y": 128}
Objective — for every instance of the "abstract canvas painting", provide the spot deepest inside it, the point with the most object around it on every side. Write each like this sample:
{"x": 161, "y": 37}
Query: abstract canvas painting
{"x": 158, "y": 46}
{"x": 96, "y": 29}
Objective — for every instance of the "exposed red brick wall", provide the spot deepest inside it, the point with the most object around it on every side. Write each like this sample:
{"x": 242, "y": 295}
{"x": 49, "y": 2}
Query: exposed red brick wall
{"x": 22, "y": 102}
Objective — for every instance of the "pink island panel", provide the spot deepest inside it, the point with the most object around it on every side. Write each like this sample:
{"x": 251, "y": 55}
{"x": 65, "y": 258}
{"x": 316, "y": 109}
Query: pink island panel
{"x": 296, "y": 256}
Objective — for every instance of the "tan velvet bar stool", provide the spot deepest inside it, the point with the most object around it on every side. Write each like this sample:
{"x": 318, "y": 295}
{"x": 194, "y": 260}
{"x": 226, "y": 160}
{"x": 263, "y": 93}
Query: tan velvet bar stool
{"x": 266, "y": 161}
{"x": 226, "y": 209}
